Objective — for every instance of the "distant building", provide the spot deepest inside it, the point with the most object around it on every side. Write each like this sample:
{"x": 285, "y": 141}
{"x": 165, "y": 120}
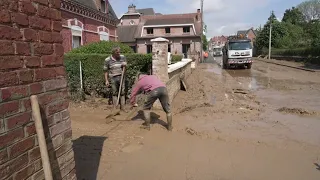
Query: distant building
{"x": 138, "y": 26}
{"x": 250, "y": 34}
{"x": 219, "y": 40}
{"x": 87, "y": 21}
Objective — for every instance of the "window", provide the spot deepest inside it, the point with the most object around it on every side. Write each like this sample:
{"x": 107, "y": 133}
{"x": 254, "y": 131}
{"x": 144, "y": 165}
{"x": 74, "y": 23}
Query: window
{"x": 186, "y": 29}
{"x": 103, "y": 6}
{"x": 134, "y": 48}
{"x": 169, "y": 47}
{"x": 185, "y": 48}
{"x": 240, "y": 46}
{"x": 149, "y": 49}
{"x": 76, "y": 41}
{"x": 104, "y": 36}
{"x": 167, "y": 30}
{"x": 150, "y": 31}
{"x": 131, "y": 22}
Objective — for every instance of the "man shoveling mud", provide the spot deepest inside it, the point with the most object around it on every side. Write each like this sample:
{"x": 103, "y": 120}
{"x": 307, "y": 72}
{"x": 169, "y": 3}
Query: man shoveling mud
{"x": 155, "y": 89}
{"x": 113, "y": 67}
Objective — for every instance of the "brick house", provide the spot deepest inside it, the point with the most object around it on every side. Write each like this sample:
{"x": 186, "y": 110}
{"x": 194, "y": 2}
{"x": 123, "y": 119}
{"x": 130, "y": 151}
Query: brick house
{"x": 138, "y": 26}
{"x": 250, "y": 34}
{"x": 87, "y": 21}
{"x": 219, "y": 40}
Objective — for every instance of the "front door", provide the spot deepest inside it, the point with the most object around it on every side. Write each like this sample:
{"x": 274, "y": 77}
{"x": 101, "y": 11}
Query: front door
{"x": 185, "y": 49}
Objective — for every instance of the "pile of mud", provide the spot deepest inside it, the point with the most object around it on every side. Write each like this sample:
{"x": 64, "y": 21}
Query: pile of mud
{"x": 297, "y": 111}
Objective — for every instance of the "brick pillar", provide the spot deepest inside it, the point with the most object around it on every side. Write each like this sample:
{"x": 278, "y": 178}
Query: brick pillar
{"x": 31, "y": 62}
{"x": 160, "y": 58}
{"x": 160, "y": 62}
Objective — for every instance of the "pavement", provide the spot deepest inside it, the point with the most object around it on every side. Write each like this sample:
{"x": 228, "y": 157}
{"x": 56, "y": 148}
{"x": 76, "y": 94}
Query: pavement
{"x": 261, "y": 123}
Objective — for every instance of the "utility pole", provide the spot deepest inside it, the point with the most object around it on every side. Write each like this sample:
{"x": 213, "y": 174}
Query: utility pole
{"x": 201, "y": 53}
{"x": 270, "y": 37}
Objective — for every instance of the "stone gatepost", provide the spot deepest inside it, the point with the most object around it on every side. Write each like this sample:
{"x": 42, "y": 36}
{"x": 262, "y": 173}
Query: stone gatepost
{"x": 160, "y": 61}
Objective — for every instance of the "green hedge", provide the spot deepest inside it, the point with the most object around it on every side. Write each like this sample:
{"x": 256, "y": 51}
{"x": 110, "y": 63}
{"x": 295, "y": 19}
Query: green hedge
{"x": 101, "y": 47}
{"x": 304, "y": 52}
{"x": 93, "y": 74}
{"x": 176, "y": 58}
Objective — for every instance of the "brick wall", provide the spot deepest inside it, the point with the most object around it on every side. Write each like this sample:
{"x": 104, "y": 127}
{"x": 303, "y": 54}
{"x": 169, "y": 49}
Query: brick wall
{"x": 31, "y": 62}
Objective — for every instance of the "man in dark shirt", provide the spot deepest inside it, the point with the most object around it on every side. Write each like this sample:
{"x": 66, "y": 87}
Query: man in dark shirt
{"x": 113, "y": 67}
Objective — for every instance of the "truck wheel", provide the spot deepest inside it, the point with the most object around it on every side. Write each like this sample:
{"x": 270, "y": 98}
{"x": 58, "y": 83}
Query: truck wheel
{"x": 249, "y": 66}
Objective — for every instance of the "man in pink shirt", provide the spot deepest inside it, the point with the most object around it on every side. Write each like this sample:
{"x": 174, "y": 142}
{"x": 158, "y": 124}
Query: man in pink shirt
{"x": 155, "y": 89}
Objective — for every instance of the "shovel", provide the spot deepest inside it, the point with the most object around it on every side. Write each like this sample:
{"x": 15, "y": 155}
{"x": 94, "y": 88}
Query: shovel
{"x": 115, "y": 111}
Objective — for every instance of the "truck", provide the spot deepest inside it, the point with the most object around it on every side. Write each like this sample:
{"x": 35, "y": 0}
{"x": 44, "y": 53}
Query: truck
{"x": 237, "y": 52}
{"x": 217, "y": 50}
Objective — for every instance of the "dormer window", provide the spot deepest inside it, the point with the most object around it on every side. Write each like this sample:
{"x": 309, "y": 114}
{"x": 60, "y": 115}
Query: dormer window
{"x": 186, "y": 29}
{"x": 103, "y": 6}
{"x": 149, "y": 30}
{"x": 168, "y": 30}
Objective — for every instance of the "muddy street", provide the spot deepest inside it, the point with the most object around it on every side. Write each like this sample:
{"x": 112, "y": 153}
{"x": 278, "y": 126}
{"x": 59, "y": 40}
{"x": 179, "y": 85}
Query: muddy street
{"x": 245, "y": 124}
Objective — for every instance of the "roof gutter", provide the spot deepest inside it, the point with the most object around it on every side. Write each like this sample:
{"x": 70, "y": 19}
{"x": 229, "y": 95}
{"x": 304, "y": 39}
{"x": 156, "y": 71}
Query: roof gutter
{"x": 131, "y": 14}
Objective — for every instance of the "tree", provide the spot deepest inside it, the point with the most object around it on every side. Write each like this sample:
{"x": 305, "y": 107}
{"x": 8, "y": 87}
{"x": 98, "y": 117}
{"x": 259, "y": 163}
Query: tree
{"x": 313, "y": 29}
{"x": 310, "y": 9}
{"x": 204, "y": 42}
{"x": 293, "y": 16}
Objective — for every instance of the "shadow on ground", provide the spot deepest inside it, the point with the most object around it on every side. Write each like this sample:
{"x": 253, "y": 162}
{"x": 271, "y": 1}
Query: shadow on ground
{"x": 155, "y": 118}
{"x": 317, "y": 166}
{"x": 87, "y": 154}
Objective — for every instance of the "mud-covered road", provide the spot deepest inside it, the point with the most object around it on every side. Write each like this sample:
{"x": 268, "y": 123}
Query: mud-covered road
{"x": 242, "y": 124}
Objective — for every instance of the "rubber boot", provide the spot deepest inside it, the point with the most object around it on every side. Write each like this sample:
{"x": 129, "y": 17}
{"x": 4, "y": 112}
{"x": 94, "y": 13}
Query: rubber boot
{"x": 147, "y": 117}
{"x": 114, "y": 100}
{"x": 122, "y": 104}
{"x": 169, "y": 120}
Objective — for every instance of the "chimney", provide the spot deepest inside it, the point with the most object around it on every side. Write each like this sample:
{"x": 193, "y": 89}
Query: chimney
{"x": 198, "y": 11}
{"x": 131, "y": 8}
{"x": 198, "y": 15}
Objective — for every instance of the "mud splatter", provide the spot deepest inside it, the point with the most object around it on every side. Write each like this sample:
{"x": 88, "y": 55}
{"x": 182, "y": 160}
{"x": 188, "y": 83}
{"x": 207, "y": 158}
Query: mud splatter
{"x": 297, "y": 111}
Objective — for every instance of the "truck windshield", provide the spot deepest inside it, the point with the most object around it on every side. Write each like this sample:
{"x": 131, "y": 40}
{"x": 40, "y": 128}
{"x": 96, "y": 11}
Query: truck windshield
{"x": 240, "y": 46}
{"x": 217, "y": 49}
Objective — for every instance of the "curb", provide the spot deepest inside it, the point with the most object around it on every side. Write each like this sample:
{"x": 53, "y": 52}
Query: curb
{"x": 300, "y": 68}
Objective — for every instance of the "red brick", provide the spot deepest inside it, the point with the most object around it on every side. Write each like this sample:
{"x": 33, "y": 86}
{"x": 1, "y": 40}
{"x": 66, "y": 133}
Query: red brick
{"x": 5, "y": 16}
{"x": 65, "y": 114}
{"x": 44, "y": 11}
{"x": 9, "y": 108}
{"x": 18, "y": 120}
{"x": 30, "y": 35}
{"x": 13, "y": 93}
{"x": 61, "y": 71}
{"x": 10, "y": 5}
{"x": 47, "y": 98}
{"x": 12, "y": 166}
{"x": 45, "y": 2}
{"x": 57, "y": 107}
{"x": 27, "y": 7}
{"x": 10, "y": 33}
{"x": 64, "y": 148}
{"x": 36, "y": 88}
{"x": 38, "y": 175}
{"x": 23, "y": 48}
{"x": 11, "y": 137}
{"x": 55, "y": 14}
{"x": 21, "y": 147}
{"x": 45, "y": 36}
{"x": 19, "y": 18}
{"x": 26, "y": 76}
{"x": 34, "y": 154}
{"x": 32, "y": 61}
{"x": 3, "y": 156}
{"x": 24, "y": 173}
{"x": 42, "y": 49}
{"x": 25, "y": 105}
{"x": 2, "y": 126}
{"x": 45, "y": 74}
{"x": 67, "y": 134}
{"x": 55, "y": 3}
{"x": 55, "y": 84}
{"x": 51, "y": 60}
{"x": 30, "y": 130}
{"x": 58, "y": 49}
{"x": 10, "y": 62}
{"x": 56, "y": 26}
{"x": 60, "y": 128}
{"x": 40, "y": 23}
{"x": 56, "y": 37}
{"x": 8, "y": 78}
{"x": 6, "y": 48}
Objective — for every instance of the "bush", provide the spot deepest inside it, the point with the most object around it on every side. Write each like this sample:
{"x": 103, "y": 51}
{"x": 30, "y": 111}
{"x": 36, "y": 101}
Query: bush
{"x": 304, "y": 52}
{"x": 93, "y": 74}
{"x": 176, "y": 58}
{"x": 102, "y": 47}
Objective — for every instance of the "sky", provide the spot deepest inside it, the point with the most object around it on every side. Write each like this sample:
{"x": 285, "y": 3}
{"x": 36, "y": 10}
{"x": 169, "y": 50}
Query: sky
{"x": 222, "y": 17}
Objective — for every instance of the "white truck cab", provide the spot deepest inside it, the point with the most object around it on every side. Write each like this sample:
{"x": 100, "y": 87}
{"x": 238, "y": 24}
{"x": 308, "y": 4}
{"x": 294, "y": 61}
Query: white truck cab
{"x": 237, "y": 51}
{"x": 217, "y": 51}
